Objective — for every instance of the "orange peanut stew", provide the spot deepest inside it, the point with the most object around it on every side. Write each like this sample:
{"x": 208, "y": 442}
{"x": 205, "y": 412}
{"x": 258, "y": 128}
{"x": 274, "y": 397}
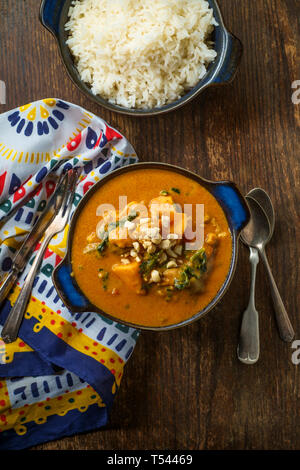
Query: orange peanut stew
{"x": 133, "y": 263}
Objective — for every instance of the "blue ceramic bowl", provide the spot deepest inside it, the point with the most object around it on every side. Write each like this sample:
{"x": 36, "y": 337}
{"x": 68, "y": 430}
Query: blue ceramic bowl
{"x": 54, "y": 15}
{"x": 226, "y": 193}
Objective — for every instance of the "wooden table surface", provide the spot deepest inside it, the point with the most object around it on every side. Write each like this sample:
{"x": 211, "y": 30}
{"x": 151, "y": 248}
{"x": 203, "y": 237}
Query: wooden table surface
{"x": 186, "y": 389}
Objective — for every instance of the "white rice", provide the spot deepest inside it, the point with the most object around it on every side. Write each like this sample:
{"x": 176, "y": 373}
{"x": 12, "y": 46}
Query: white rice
{"x": 141, "y": 53}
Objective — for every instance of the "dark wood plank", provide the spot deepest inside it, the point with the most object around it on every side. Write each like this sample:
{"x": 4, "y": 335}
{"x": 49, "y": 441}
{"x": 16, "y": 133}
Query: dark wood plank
{"x": 186, "y": 389}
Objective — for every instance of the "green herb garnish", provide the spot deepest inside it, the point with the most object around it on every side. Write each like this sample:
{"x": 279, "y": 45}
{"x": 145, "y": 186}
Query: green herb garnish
{"x": 170, "y": 293}
{"x": 164, "y": 192}
{"x": 132, "y": 216}
{"x": 101, "y": 247}
{"x": 104, "y": 276}
{"x": 147, "y": 265}
{"x": 195, "y": 268}
{"x": 184, "y": 280}
{"x": 199, "y": 260}
{"x": 176, "y": 190}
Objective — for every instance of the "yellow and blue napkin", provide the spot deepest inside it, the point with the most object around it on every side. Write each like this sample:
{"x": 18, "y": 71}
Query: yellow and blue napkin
{"x": 62, "y": 373}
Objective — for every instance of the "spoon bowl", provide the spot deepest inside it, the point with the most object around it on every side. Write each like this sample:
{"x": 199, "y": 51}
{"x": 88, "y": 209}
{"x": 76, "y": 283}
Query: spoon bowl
{"x": 257, "y": 234}
{"x": 258, "y": 230}
{"x": 263, "y": 199}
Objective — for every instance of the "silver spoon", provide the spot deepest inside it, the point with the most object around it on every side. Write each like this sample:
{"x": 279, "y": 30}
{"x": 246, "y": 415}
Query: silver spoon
{"x": 249, "y": 345}
{"x": 263, "y": 199}
{"x": 257, "y": 234}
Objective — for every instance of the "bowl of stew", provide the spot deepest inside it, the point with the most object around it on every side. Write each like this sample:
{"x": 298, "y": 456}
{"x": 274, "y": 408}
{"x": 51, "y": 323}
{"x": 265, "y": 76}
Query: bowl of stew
{"x": 152, "y": 246}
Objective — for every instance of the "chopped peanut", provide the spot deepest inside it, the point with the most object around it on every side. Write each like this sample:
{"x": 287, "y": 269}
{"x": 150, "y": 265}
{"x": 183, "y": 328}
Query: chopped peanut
{"x": 171, "y": 253}
{"x": 155, "y": 276}
{"x": 136, "y": 246}
{"x": 171, "y": 264}
{"x": 178, "y": 249}
{"x": 165, "y": 244}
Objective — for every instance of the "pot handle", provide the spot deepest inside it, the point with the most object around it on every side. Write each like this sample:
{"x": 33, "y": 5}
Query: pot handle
{"x": 67, "y": 288}
{"x": 234, "y": 204}
{"x": 50, "y": 11}
{"x": 232, "y": 56}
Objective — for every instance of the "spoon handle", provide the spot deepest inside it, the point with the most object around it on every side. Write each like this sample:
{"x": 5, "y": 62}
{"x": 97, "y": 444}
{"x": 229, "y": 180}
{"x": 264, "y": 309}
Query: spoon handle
{"x": 248, "y": 347}
{"x": 8, "y": 284}
{"x": 285, "y": 328}
{"x": 12, "y": 324}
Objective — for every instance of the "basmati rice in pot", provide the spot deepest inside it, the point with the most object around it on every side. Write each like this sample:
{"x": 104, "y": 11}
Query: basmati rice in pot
{"x": 141, "y": 53}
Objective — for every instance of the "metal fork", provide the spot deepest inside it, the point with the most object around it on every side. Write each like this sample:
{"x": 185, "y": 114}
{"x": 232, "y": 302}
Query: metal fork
{"x": 12, "y": 325}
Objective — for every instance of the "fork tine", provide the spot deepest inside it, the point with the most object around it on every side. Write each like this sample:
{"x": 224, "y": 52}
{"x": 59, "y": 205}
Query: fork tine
{"x": 61, "y": 191}
{"x": 71, "y": 186}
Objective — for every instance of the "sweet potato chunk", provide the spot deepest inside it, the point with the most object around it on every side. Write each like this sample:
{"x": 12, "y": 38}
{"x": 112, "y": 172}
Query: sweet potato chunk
{"x": 130, "y": 275}
{"x": 161, "y": 200}
{"x": 162, "y": 205}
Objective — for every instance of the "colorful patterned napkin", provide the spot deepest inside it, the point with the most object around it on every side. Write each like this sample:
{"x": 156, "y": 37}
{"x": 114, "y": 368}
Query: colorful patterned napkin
{"x": 61, "y": 375}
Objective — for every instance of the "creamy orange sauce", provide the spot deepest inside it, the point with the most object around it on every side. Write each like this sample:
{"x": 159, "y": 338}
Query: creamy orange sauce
{"x": 127, "y": 305}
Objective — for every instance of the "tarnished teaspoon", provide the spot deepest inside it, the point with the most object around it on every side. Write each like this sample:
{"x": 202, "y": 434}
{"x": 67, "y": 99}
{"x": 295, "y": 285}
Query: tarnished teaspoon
{"x": 248, "y": 347}
{"x": 263, "y": 199}
{"x": 257, "y": 234}
{"x": 249, "y": 344}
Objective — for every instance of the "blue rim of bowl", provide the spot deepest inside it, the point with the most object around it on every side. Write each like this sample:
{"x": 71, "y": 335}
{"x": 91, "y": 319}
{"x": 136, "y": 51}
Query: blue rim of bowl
{"x": 209, "y": 185}
{"x": 220, "y": 72}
